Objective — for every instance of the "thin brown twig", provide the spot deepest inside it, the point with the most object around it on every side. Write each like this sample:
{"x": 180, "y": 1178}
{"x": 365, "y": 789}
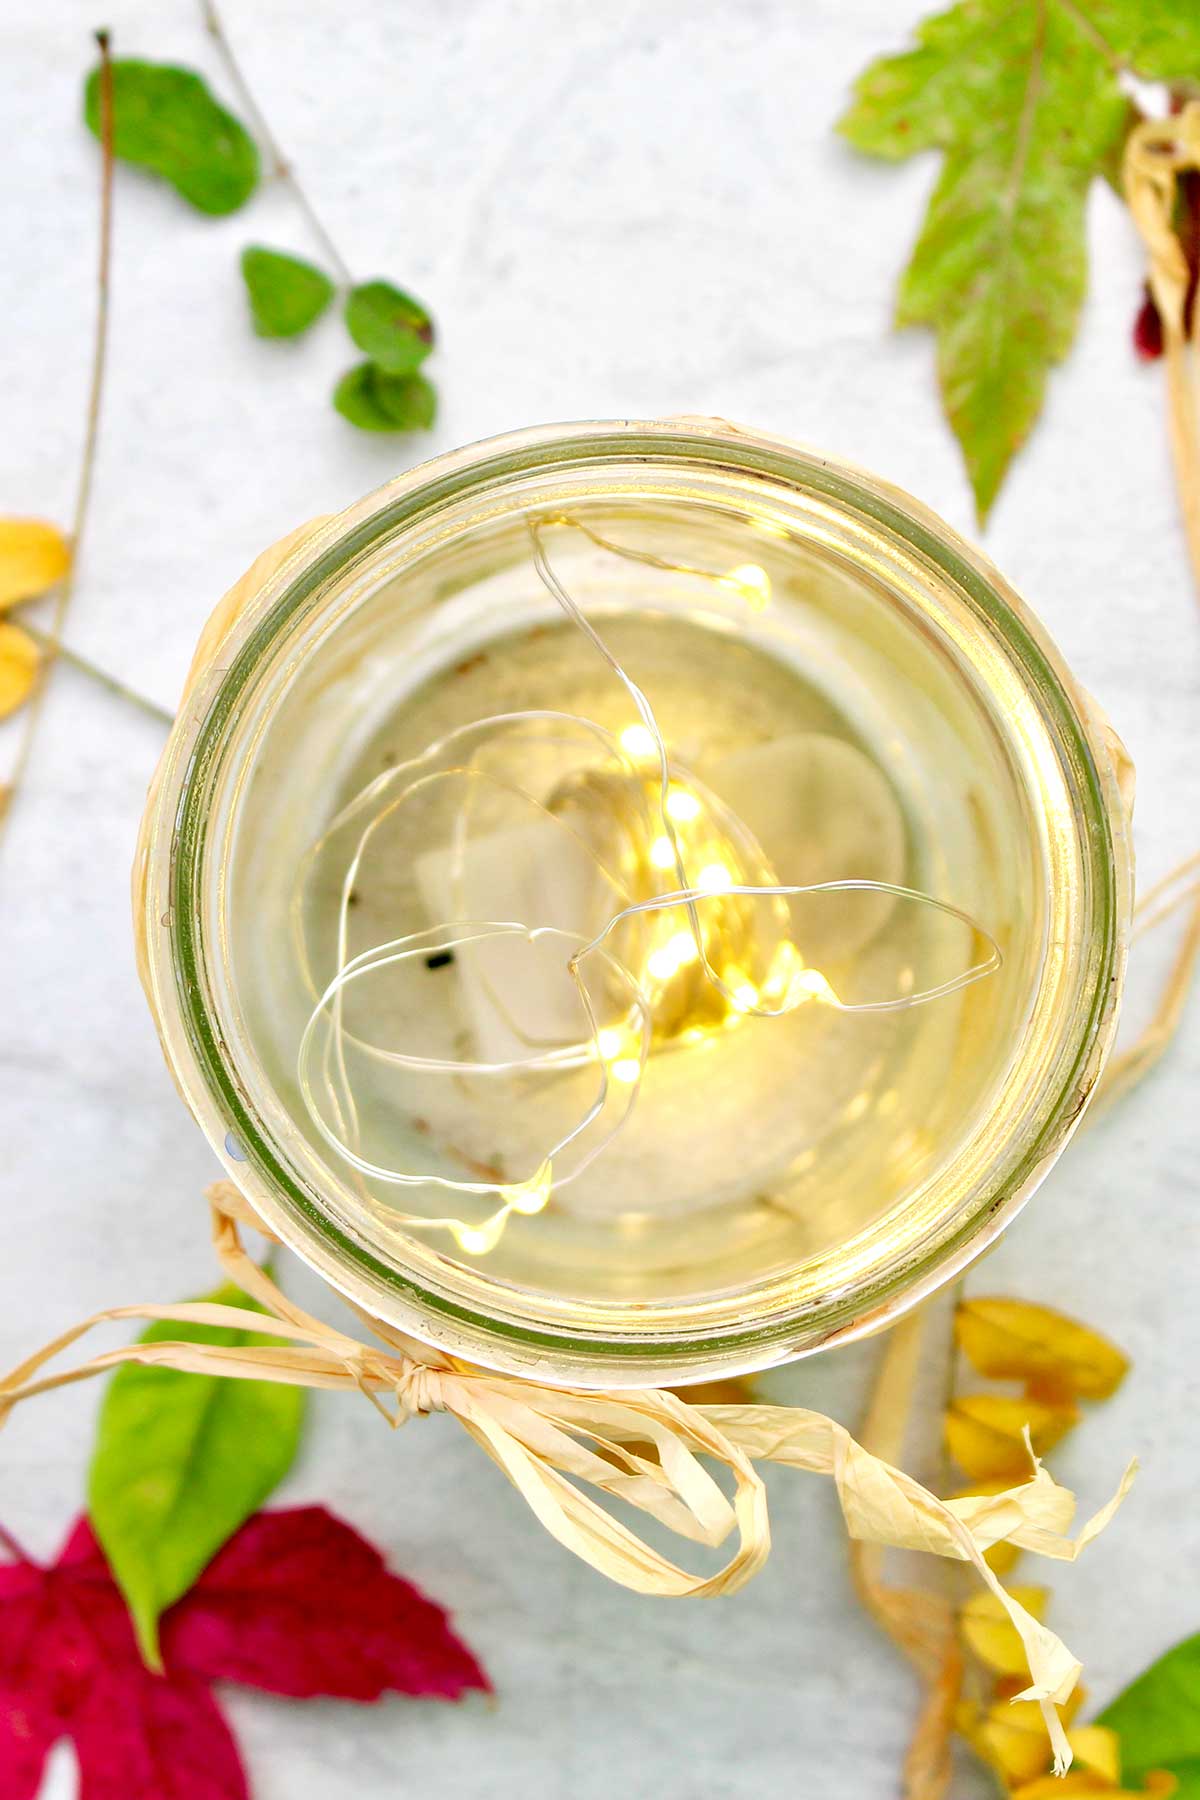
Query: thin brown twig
{"x": 91, "y": 433}
{"x": 283, "y": 167}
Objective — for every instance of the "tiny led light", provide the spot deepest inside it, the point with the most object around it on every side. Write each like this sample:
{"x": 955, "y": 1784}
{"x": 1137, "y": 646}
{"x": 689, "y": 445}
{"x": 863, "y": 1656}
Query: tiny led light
{"x": 627, "y": 1069}
{"x": 682, "y": 806}
{"x": 609, "y": 1043}
{"x": 754, "y": 583}
{"x": 635, "y": 740}
{"x": 714, "y": 878}
{"x": 810, "y": 984}
{"x": 662, "y": 853}
{"x": 477, "y": 1240}
{"x": 672, "y": 956}
{"x": 529, "y": 1196}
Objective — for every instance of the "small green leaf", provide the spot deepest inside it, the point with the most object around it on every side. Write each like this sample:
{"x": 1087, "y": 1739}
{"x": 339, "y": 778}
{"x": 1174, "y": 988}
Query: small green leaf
{"x": 167, "y": 120}
{"x": 394, "y": 329}
{"x": 376, "y": 401}
{"x": 1157, "y": 1719}
{"x": 286, "y": 295}
{"x": 181, "y": 1461}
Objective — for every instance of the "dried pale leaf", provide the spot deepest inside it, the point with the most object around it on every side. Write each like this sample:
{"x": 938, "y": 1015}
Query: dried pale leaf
{"x": 985, "y": 1433}
{"x": 19, "y": 661}
{"x": 988, "y": 1631}
{"x": 1018, "y": 1341}
{"x": 33, "y": 555}
{"x": 1097, "y": 1749}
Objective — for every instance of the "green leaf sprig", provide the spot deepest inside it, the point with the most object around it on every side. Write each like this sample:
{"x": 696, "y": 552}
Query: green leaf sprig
{"x": 1157, "y": 1719}
{"x": 181, "y": 1461}
{"x": 1022, "y": 99}
{"x": 168, "y": 121}
{"x": 384, "y": 393}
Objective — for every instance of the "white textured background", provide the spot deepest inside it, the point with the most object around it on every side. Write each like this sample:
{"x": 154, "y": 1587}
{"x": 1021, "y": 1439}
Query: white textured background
{"x": 627, "y": 209}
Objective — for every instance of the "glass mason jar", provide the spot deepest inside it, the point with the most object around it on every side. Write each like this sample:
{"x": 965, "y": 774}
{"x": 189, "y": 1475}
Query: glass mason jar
{"x": 834, "y": 663}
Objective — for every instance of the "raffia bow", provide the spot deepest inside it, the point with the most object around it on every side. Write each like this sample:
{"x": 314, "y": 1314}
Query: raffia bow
{"x": 564, "y": 1448}
{"x": 1158, "y": 153}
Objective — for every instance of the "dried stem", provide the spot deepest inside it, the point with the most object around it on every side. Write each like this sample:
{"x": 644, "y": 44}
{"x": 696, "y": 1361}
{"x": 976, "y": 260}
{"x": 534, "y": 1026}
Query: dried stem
{"x": 283, "y": 168}
{"x": 1158, "y": 155}
{"x": 121, "y": 689}
{"x": 920, "y": 1621}
{"x": 91, "y": 427}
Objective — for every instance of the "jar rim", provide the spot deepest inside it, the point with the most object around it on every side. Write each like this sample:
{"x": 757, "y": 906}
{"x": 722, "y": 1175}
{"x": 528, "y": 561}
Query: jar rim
{"x": 179, "y": 868}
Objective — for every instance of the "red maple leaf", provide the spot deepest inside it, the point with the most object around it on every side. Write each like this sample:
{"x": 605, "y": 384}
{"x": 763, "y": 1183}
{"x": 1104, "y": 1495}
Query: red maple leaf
{"x": 297, "y": 1603}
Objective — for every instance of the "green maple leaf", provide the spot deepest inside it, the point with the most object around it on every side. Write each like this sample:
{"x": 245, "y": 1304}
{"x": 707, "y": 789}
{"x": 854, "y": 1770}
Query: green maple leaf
{"x": 1023, "y": 100}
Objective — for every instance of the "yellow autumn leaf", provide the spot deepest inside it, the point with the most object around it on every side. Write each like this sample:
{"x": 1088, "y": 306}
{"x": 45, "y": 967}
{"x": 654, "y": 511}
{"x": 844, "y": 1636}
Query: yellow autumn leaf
{"x": 19, "y": 659}
{"x": 1013, "y": 1340}
{"x": 1012, "y": 1737}
{"x": 985, "y": 1432}
{"x": 990, "y": 1634}
{"x": 1076, "y": 1783}
{"x": 33, "y": 555}
{"x": 1071, "y": 1786}
{"x": 1097, "y": 1748}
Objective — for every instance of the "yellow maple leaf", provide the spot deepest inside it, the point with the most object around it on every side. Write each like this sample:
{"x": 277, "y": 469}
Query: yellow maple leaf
{"x": 1016, "y": 1340}
{"x": 19, "y": 661}
{"x": 985, "y": 1433}
{"x": 990, "y": 1634}
{"x": 33, "y": 556}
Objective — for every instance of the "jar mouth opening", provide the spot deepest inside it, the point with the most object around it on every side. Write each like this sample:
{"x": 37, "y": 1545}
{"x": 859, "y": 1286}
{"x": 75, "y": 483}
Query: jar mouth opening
{"x": 468, "y": 1312}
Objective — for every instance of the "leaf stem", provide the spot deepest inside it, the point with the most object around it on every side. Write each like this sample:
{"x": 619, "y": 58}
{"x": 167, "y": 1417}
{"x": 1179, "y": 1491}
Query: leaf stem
{"x": 283, "y": 167}
{"x": 54, "y": 646}
{"x": 91, "y": 433}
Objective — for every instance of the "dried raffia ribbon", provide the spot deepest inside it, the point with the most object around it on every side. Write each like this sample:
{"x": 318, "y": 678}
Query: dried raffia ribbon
{"x": 640, "y": 1446}
{"x": 1157, "y": 153}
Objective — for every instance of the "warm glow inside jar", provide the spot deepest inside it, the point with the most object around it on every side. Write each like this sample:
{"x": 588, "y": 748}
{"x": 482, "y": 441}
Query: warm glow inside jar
{"x": 843, "y": 686}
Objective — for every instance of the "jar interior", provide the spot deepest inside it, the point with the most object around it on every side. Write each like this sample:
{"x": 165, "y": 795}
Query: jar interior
{"x": 803, "y": 692}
